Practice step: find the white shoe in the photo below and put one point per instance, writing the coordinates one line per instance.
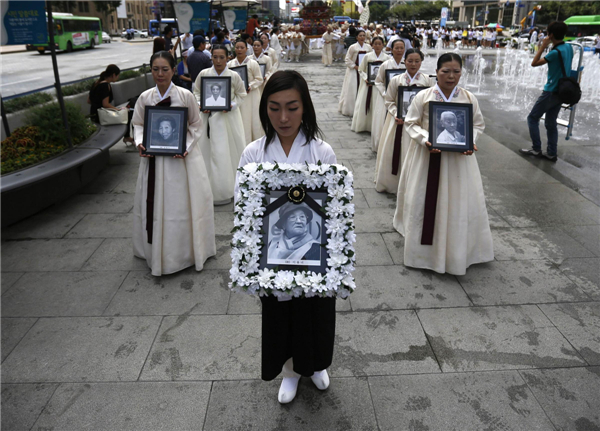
(320, 379)
(288, 388)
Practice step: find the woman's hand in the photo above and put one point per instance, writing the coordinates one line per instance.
(179, 156)
(142, 148)
(355, 67)
(469, 153)
(431, 150)
(206, 111)
(399, 121)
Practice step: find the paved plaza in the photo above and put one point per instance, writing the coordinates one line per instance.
(92, 341)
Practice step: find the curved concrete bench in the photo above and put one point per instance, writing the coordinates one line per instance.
(32, 189)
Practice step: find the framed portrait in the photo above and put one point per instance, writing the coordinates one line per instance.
(361, 57)
(243, 72)
(451, 126)
(390, 73)
(263, 69)
(293, 231)
(405, 98)
(372, 71)
(165, 130)
(216, 93)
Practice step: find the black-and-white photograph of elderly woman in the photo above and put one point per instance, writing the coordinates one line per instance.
(451, 133)
(294, 236)
(165, 135)
(216, 93)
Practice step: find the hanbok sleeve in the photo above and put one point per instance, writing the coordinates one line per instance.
(197, 87)
(194, 122)
(270, 69)
(414, 118)
(380, 81)
(351, 57)
(390, 96)
(258, 79)
(326, 154)
(137, 121)
(239, 90)
(478, 121)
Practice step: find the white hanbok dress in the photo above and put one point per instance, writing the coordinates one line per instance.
(385, 180)
(222, 140)
(461, 230)
(350, 85)
(327, 54)
(379, 110)
(183, 229)
(272, 54)
(263, 59)
(361, 120)
(274, 43)
(249, 107)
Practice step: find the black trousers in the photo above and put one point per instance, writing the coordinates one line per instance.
(303, 329)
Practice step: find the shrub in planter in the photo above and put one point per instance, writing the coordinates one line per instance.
(80, 87)
(44, 137)
(24, 102)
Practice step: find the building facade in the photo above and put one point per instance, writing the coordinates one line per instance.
(478, 13)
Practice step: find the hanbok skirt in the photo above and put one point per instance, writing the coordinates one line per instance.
(249, 110)
(361, 121)
(302, 329)
(385, 180)
(378, 119)
(349, 93)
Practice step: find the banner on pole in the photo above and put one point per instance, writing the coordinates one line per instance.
(444, 17)
(24, 22)
(192, 16)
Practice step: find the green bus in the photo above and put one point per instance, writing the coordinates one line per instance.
(583, 25)
(72, 32)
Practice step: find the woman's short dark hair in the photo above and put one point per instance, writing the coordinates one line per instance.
(166, 55)
(447, 58)
(217, 46)
(359, 32)
(286, 80)
(558, 29)
(352, 31)
(168, 119)
(241, 40)
(396, 41)
(158, 45)
(111, 69)
(377, 38)
(414, 51)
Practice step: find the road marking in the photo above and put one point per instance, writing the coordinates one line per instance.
(18, 82)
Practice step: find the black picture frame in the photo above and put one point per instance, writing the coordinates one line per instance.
(158, 119)
(206, 82)
(403, 103)
(315, 259)
(243, 72)
(263, 69)
(373, 70)
(360, 57)
(390, 73)
(463, 115)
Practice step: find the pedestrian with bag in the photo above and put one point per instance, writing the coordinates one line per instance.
(559, 61)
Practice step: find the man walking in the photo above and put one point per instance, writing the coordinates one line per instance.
(198, 61)
(549, 103)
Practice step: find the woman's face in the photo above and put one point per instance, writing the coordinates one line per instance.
(377, 46)
(413, 63)
(285, 110)
(448, 75)
(257, 47)
(361, 37)
(216, 91)
(165, 130)
(241, 49)
(219, 58)
(162, 71)
(265, 40)
(398, 51)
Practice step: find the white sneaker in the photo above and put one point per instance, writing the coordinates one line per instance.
(287, 390)
(320, 379)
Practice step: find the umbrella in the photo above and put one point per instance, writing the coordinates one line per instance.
(494, 25)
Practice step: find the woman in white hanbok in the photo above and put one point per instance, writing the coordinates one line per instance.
(362, 118)
(260, 57)
(269, 51)
(297, 333)
(445, 222)
(352, 77)
(222, 140)
(327, 54)
(173, 216)
(249, 106)
(379, 110)
(389, 159)
(274, 43)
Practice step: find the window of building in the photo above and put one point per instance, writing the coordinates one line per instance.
(87, 6)
(128, 8)
(138, 9)
(508, 15)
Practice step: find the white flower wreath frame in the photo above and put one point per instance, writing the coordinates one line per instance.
(255, 181)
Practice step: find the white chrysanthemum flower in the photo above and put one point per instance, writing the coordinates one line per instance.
(250, 168)
(351, 237)
(337, 259)
(348, 280)
(284, 280)
(335, 226)
(267, 166)
(265, 276)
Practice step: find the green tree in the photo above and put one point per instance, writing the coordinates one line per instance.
(561, 10)
(107, 6)
(69, 6)
(378, 12)
(424, 10)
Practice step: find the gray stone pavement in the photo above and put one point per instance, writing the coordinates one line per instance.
(91, 341)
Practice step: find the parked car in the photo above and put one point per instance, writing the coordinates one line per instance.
(105, 37)
(136, 33)
(588, 42)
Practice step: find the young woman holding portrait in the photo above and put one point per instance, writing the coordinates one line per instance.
(352, 77)
(297, 333)
(173, 218)
(441, 209)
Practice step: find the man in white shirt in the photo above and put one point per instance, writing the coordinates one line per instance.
(533, 40)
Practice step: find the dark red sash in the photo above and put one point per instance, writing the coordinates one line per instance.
(431, 195)
(369, 92)
(151, 185)
(358, 74)
(397, 149)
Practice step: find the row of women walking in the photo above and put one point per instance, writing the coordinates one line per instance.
(441, 210)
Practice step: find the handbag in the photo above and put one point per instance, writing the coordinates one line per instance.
(569, 91)
(108, 117)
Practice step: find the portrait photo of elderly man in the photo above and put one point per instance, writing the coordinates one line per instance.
(291, 239)
(450, 134)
